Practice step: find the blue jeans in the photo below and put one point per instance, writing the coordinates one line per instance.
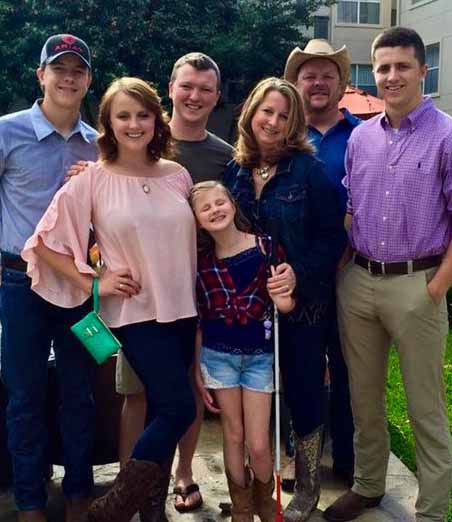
(303, 363)
(29, 326)
(161, 355)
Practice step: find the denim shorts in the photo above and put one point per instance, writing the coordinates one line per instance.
(222, 370)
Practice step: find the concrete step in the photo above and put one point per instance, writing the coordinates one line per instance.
(397, 505)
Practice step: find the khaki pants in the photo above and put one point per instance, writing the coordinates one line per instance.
(373, 312)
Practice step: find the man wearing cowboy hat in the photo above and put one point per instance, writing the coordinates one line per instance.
(320, 75)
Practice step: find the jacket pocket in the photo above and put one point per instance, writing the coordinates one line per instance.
(291, 202)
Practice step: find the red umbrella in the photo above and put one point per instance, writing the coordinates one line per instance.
(360, 103)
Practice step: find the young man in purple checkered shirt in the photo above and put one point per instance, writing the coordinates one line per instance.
(399, 181)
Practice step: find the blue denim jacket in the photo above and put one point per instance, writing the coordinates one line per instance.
(305, 203)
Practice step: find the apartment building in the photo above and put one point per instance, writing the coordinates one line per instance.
(356, 23)
(432, 19)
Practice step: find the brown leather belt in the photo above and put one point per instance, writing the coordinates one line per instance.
(400, 268)
(14, 264)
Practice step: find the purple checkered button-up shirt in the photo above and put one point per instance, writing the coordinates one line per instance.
(399, 184)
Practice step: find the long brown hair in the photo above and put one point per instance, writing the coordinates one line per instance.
(246, 150)
(206, 242)
(161, 144)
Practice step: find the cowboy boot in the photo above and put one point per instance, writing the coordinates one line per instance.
(153, 509)
(34, 515)
(307, 485)
(77, 508)
(242, 498)
(264, 503)
(137, 480)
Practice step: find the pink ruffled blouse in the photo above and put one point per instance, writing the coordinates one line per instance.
(141, 223)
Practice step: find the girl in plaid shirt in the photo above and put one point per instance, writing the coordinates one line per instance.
(235, 349)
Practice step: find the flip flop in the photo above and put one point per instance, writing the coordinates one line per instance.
(288, 477)
(185, 492)
(226, 508)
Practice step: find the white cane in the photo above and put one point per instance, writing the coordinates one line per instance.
(273, 227)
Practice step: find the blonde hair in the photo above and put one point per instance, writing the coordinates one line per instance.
(161, 144)
(200, 62)
(247, 152)
(205, 240)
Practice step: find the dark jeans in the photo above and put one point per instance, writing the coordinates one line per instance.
(6, 469)
(341, 418)
(161, 355)
(29, 327)
(302, 349)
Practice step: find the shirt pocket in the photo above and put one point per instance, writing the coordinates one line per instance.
(291, 202)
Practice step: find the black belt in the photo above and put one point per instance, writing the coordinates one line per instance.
(399, 268)
(14, 263)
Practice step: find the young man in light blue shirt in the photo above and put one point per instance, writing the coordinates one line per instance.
(37, 146)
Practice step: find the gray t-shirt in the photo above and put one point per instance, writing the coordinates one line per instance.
(204, 159)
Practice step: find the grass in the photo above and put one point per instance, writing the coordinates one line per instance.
(402, 440)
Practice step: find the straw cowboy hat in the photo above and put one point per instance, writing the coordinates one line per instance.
(318, 48)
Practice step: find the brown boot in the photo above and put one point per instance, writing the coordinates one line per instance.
(242, 499)
(307, 486)
(77, 508)
(33, 515)
(264, 503)
(349, 506)
(136, 481)
(153, 509)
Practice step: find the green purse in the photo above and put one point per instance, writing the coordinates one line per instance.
(94, 334)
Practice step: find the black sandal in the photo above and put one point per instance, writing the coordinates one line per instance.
(185, 493)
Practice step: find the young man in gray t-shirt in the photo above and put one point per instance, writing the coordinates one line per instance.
(204, 159)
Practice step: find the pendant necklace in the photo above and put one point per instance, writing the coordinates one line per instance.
(263, 172)
(146, 188)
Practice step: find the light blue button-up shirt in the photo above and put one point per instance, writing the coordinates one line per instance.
(34, 158)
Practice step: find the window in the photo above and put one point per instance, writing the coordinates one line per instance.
(321, 25)
(358, 12)
(393, 17)
(431, 82)
(363, 78)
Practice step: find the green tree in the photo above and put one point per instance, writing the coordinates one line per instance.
(249, 38)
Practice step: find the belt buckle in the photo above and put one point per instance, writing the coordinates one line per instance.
(381, 264)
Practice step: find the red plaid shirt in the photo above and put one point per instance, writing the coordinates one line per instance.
(216, 293)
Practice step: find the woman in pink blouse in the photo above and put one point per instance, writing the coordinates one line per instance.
(137, 203)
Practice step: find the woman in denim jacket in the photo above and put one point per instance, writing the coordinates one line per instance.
(275, 175)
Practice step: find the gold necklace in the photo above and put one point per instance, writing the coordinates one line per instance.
(263, 172)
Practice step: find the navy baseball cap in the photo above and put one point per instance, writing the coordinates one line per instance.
(60, 44)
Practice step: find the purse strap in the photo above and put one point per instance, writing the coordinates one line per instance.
(95, 290)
